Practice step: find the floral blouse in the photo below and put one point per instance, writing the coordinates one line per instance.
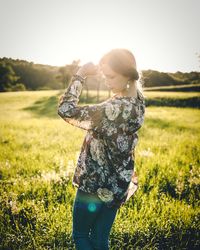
(106, 162)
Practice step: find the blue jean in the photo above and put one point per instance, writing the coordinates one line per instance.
(92, 222)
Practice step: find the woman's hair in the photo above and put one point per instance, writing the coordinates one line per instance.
(122, 61)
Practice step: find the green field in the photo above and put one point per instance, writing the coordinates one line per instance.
(158, 98)
(38, 152)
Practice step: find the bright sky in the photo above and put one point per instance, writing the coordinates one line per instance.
(164, 35)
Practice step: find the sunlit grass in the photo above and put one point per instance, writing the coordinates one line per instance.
(38, 151)
(166, 94)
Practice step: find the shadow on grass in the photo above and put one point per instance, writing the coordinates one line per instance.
(192, 102)
(45, 106)
(176, 239)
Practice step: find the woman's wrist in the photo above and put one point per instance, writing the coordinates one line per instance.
(79, 78)
(81, 73)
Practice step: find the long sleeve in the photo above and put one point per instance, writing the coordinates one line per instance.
(85, 117)
(108, 118)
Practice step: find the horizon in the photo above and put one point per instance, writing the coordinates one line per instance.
(163, 36)
(38, 63)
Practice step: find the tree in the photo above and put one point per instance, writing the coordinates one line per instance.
(33, 76)
(66, 72)
(19, 87)
(155, 78)
(8, 77)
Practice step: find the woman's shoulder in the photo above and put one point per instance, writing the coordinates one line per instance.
(121, 100)
(125, 105)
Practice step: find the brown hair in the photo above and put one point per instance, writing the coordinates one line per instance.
(121, 61)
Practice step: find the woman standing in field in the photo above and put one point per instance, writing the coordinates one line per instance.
(105, 168)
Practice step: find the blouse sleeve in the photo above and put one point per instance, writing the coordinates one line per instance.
(85, 117)
(107, 118)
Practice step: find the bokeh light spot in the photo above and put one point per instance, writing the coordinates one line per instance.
(92, 207)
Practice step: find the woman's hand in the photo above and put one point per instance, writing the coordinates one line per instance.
(87, 69)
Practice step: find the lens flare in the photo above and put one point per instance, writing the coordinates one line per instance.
(92, 207)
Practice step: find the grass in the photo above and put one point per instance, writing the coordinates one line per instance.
(155, 97)
(38, 152)
(176, 88)
(173, 99)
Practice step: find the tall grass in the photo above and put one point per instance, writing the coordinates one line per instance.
(38, 152)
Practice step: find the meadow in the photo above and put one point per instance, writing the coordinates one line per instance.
(38, 153)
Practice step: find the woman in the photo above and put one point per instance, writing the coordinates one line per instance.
(105, 166)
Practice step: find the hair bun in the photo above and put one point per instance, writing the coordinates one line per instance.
(134, 75)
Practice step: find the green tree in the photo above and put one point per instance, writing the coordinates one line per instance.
(33, 76)
(8, 77)
(65, 73)
(19, 87)
(156, 78)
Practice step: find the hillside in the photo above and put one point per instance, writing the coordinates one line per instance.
(19, 75)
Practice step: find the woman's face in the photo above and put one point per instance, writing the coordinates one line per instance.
(115, 81)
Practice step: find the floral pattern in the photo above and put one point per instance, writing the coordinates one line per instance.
(112, 111)
(105, 194)
(106, 162)
(122, 143)
(97, 151)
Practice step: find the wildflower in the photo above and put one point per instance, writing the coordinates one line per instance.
(13, 205)
(70, 167)
(146, 153)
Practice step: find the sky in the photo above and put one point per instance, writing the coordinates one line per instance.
(163, 35)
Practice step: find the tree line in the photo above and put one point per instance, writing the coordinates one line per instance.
(18, 75)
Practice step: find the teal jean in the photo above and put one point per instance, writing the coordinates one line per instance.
(92, 222)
